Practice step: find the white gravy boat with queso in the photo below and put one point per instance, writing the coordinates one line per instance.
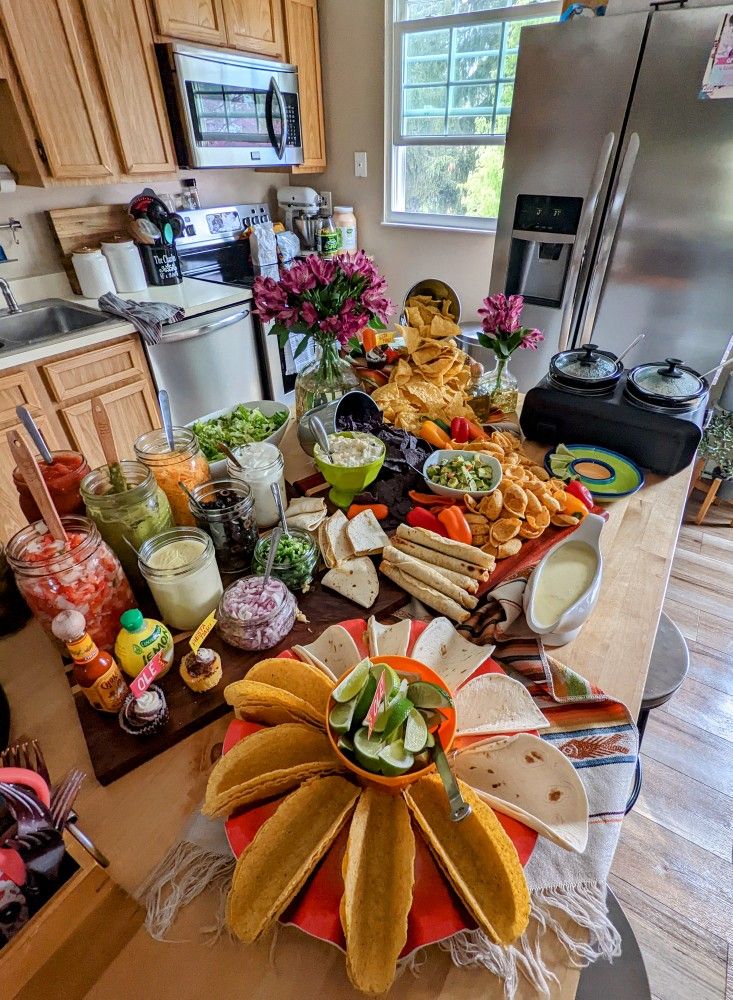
(563, 588)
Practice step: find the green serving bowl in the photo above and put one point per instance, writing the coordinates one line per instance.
(348, 480)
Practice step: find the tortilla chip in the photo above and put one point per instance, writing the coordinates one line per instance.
(423, 592)
(334, 651)
(495, 703)
(365, 534)
(446, 652)
(388, 640)
(356, 580)
(504, 529)
(378, 865)
(510, 548)
(269, 762)
(477, 856)
(270, 705)
(301, 679)
(530, 779)
(273, 868)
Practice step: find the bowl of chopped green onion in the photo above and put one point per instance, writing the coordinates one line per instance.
(295, 560)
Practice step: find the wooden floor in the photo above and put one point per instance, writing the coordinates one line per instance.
(673, 872)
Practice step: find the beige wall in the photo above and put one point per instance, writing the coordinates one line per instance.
(352, 46)
(37, 252)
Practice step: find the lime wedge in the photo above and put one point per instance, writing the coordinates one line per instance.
(381, 721)
(562, 450)
(430, 742)
(391, 679)
(366, 749)
(416, 732)
(398, 713)
(346, 743)
(364, 700)
(341, 716)
(354, 681)
(395, 760)
(424, 694)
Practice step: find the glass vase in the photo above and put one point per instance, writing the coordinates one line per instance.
(493, 391)
(326, 378)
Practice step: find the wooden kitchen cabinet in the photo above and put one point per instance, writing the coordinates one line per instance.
(255, 26)
(191, 20)
(304, 49)
(11, 516)
(132, 411)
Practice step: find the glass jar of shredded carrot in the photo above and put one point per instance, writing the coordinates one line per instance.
(185, 464)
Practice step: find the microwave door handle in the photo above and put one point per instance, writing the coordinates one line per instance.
(277, 144)
(581, 240)
(608, 236)
(197, 330)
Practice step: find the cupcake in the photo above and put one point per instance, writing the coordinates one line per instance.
(145, 715)
(202, 670)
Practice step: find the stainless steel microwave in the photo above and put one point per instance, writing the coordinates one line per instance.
(228, 110)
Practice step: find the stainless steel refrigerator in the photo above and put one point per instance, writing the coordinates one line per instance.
(616, 213)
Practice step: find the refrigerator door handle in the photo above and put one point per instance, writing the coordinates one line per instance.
(583, 235)
(608, 236)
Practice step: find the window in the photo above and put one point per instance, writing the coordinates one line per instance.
(450, 67)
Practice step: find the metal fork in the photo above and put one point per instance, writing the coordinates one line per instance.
(36, 839)
(29, 755)
(63, 797)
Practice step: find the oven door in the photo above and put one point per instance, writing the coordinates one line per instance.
(236, 111)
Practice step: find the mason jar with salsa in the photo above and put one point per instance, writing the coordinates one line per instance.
(62, 478)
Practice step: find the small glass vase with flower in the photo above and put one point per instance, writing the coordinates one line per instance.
(329, 302)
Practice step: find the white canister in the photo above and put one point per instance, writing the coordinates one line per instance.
(263, 465)
(92, 270)
(345, 220)
(125, 264)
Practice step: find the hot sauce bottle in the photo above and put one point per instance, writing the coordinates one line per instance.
(95, 671)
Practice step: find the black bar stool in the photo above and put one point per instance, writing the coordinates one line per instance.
(623, 979)
(668, 668)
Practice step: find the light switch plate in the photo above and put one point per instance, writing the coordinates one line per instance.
(326, 201)
(360, 164)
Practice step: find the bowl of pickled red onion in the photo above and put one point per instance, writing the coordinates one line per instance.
(256, 615)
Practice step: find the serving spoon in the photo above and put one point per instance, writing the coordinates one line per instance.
(165, 412)
(319, 433)
(275, 489)
(34, 430)
(226, 450)
(271, 553)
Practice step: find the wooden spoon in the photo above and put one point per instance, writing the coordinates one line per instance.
(109, 448)
(36, 485)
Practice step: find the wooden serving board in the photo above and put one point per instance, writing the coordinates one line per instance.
(73, 228)
(113, 752)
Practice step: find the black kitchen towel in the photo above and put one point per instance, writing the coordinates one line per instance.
(147, 317)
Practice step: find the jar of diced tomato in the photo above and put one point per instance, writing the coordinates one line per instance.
(82, 574)
(62, 477)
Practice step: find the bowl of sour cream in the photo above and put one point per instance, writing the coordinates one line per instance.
(564, 586)
(355, 461)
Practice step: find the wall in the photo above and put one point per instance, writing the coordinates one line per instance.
(37, 253)
(352, 46)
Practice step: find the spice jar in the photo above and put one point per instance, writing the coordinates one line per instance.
(129, 515)
(186, 463)
(62, 477)
(263, 465)
(256, 615)
(182, 574)
(83, 575)
(225, 510)
(296, 558)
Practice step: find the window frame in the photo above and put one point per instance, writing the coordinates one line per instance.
(395, 143)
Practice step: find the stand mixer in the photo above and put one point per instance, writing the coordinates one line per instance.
(301, 213)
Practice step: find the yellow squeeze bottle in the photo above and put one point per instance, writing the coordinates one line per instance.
(139, 640)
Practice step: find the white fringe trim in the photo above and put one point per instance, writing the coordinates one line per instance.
(584, 904)
(181, 876)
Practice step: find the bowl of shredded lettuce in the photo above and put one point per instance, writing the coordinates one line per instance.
(259, 420)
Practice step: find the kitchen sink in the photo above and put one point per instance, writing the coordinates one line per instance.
(46, 319)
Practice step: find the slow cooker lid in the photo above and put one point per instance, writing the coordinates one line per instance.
(586, 364)
(667, 381)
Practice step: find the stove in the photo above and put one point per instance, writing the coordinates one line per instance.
(212, 247)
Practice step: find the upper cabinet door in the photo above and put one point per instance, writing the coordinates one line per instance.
(255, 26)
(123, 43)
(48, 47)
(194, 20)
(304, 49)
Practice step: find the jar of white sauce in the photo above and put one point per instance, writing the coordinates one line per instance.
(345, 220)
(180, 568)
(262, 465)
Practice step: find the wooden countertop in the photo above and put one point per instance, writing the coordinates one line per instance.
(138, 818)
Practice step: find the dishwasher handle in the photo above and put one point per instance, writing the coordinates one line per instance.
(172, 335)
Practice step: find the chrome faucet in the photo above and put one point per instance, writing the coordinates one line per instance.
(10, 299)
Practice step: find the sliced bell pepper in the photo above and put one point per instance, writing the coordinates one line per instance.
(575, 488)
(380, 510)
(572, 505)
(476, 432)
(456, 524)
(418, 517)
(434, 435)
(430, 499)
(459, 430)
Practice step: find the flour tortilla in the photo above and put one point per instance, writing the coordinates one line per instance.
(428, 595)
(306, 505)
(446, 652)
(430, 575)
(388, 640)
(356, 580)
(338, 540)
(334, 652)
(365, 534)
(495, 703)
(325, 546)
(306, 522)
(458, 550)
(531, 780)
(439, 559)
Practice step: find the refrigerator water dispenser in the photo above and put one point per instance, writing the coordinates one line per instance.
(545, 227)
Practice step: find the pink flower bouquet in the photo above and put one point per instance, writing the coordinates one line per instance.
(503, 332)
(324, 299)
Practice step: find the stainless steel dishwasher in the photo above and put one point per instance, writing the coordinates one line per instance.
(208, 363)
